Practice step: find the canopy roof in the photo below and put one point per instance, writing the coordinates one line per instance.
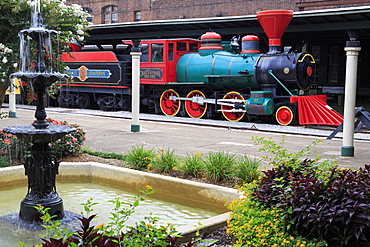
(330, 24)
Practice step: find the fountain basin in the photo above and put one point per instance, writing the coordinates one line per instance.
(29, 133)
(187, 192)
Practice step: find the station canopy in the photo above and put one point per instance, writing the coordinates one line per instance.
(328, 24)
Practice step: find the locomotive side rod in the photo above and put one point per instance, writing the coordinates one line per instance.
(222, 102)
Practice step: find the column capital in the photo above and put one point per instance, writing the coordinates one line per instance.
(356, 49)
(135, 53)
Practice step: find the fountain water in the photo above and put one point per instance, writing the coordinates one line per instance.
(41, 167)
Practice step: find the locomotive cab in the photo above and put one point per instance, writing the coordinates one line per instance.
(159, 58)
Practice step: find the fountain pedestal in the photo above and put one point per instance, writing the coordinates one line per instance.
(41, 166)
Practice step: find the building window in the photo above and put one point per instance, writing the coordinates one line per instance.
(110, 14)
(89, 11)
(137, 15)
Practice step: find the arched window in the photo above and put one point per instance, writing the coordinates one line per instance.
(110, 14)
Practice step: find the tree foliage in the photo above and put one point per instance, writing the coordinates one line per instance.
(15, 15)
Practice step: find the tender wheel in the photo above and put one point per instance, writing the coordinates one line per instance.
(232, 116)
(106, 102)
(83, 101)
(168, 106)
(284, 115)
(194, 109)
(66, 100)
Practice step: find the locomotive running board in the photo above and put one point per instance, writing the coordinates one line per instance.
(313, 110)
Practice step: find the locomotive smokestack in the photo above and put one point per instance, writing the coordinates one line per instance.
(274, 23)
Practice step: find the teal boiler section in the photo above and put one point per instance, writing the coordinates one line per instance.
(220, 70)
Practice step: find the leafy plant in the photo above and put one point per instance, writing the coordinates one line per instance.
(318, 200)
(280, 155)
(337, 211)
(247, 169)
(166, 161)
(219, 165)
(193, 164)
(140, 158)
(104, 155)
(71, 144)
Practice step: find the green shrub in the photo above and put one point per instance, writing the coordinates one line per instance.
(247, 169)
(104, 155)
(140, 158)
(166, 161)
(193, 165)
(219, 166)
(70, 144)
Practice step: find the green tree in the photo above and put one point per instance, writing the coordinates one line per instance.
(69, 20)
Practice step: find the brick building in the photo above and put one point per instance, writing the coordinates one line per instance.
(117, 11)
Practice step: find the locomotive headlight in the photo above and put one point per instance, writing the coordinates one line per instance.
(286, 70)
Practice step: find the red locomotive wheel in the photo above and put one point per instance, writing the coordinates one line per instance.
(194, 109)
(284, 115)
(168, 106)
(232, 116)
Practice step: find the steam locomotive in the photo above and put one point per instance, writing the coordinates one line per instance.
(202, 78)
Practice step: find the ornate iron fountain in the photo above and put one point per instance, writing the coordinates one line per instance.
(41, 167)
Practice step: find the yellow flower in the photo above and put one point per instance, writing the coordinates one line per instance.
(161, 149)
(197, 153)
(149, 225)
(99, 226)
(148, 187)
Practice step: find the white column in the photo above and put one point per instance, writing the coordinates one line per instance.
(135, 105)
(12, 109)
(350, 101)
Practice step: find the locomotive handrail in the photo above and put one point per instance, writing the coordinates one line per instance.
(217, 76)
(305, 55)
(270, 73)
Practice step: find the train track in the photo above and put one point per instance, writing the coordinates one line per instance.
(313, 131)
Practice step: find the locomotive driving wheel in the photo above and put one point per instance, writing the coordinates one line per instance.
(195, 108)
(284, 115)
(227, 110)
(168, 106)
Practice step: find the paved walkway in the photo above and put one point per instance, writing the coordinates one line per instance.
(114, 135)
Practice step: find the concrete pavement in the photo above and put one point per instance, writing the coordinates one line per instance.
(114, 135)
